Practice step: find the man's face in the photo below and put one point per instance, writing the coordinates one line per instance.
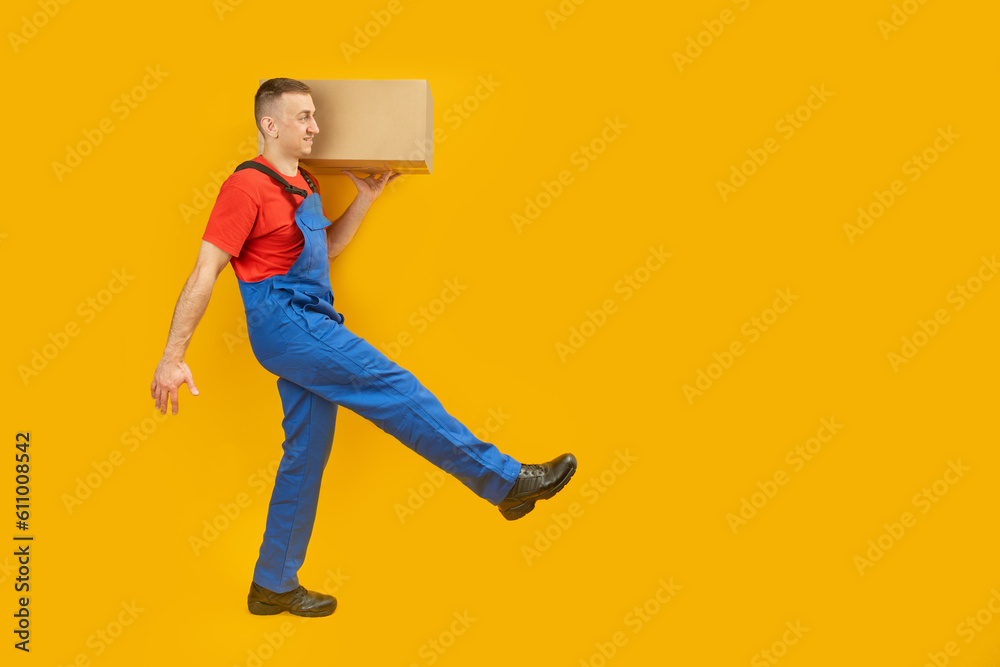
(296, 124)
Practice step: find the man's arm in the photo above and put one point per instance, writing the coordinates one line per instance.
(172, 372)
(342, 230)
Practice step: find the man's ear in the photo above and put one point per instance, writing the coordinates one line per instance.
(269, 127)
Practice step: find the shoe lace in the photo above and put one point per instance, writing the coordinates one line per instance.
(532, 470)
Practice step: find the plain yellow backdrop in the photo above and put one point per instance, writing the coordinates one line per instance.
(785, 418)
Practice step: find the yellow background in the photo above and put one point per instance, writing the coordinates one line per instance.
(401, 582)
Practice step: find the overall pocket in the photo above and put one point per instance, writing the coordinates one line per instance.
(264, 327)
(266, 341)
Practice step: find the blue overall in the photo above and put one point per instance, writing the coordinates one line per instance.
(297, 335)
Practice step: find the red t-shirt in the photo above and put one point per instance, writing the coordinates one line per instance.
(254, 221)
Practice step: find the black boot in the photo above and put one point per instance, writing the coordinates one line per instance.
(299, 601)
(537, 482)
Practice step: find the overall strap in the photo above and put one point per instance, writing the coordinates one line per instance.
(251, 164)
(309, 180)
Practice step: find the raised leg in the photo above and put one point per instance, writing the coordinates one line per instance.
(343, 368)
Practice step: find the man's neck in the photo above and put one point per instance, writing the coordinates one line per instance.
(286, 166)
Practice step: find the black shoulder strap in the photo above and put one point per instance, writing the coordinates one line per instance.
(309, 180)
(252, 164)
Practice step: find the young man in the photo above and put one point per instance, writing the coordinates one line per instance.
(273, 230)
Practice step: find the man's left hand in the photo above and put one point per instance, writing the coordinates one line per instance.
(370, 187)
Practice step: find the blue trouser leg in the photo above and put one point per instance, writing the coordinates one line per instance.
(393, 399)
(345, 369)
(309, 424)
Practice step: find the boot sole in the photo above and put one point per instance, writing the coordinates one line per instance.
(265, 609)
(516, 512)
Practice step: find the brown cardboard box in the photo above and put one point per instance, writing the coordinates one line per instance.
(370, 125)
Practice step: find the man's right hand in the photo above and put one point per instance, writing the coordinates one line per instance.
(167, 380)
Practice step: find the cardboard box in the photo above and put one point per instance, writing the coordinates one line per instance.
(370, 125)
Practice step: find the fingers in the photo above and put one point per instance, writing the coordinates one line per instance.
(354, 179)
(391, 177)
(167, 396)
(190, 384)
(372, 181)
(357, 181)
(372, 177)
(379, 184)
(166, 391)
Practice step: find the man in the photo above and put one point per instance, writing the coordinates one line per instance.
(274, 232)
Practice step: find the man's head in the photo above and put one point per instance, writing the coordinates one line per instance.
(284, 112)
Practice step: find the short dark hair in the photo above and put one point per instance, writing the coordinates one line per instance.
(265, 102)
